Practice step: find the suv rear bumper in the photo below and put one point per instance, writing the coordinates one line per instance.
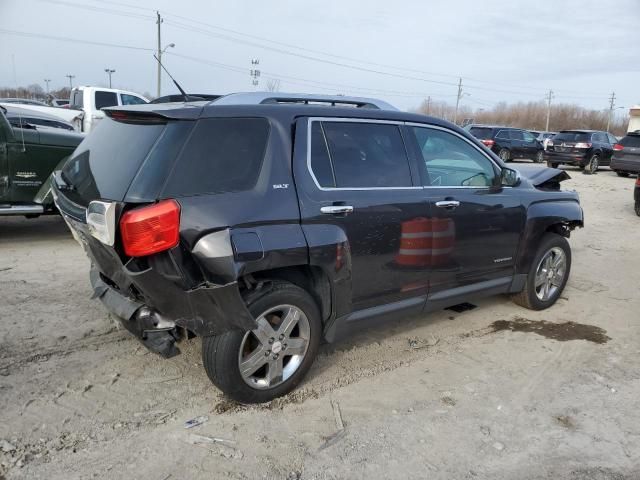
(566, 158)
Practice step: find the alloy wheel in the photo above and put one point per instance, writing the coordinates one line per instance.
(504, 155)
(550, 273)
(540, 157)
(274, 351)
(593, 164)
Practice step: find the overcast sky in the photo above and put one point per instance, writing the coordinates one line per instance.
(503, 50)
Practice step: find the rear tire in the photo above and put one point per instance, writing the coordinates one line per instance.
(222, 355)
(622, 174)
(539, 157)
(548, 275)
(637, 208)
(551, 164)
(504, 154)
(592, 166)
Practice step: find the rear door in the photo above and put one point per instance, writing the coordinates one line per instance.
(605, 145)
(517, 143)
(630, 149)
(360, 194)
(478, 225)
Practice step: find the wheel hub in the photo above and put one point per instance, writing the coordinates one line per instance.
(276, 347)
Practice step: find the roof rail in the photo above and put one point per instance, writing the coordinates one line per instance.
(271, 98)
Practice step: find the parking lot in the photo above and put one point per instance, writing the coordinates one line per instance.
(494, 392)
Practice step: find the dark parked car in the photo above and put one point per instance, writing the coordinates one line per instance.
(509, 143)
(586, 149)
(21, 117)
(626, 155)
(268, 227)
(29, 152)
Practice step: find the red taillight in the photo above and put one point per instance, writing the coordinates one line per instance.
(618, 148)
(488, 143)
(152, 229)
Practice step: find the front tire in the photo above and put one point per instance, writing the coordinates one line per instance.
(548, 275)
(259, 365)
(637, 208)
(551, 164)
(539, 157)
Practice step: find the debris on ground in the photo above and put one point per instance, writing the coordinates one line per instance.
(334, 438)
(418, 343)
(223, 447)
(194, 422)
(6, 447)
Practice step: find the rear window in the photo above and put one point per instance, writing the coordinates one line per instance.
(106, 99)
(573, 137)
(480, 132)
(222, 155)
(631, 141)
(76, 99)
(106, 161)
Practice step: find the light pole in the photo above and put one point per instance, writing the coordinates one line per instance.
(611, 112)
(109, 72)
(47, 80)
(70, 77)
(160, 52)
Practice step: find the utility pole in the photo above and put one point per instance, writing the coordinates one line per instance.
(612, 102)
(47, 80)
(254, 73)
(549, 97)
(455, 116)
(109, 71)
(70, 77)
(159, 22)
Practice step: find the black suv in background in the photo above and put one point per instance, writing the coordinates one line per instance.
(626, 155)
(267, 223)
(586, 149)
(509, 143)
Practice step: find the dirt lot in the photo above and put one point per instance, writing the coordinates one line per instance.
(451, 395)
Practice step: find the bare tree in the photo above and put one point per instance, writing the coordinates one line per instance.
(273, 85)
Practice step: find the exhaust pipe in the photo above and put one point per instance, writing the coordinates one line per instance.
(21, 209)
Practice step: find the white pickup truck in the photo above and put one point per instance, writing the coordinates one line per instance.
(91, 100)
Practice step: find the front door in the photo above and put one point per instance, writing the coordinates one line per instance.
(477, 225)
(529, 145)
(358, 189)
(517, 143)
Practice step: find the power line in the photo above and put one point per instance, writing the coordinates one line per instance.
(72, 40)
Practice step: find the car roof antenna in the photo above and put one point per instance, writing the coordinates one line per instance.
(184, 94)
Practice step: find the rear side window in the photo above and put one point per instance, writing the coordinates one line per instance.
(320, 160)
(504, 134)
(516, 135)
(631, 141)
(481, 133)
(367, 155)
(106, 99)
(222, 155)
(131, 99)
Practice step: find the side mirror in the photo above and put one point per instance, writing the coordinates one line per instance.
(509, 178)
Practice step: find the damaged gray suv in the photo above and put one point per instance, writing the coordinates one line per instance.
(268, 223)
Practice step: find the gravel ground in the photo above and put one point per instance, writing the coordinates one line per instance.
(495, 392)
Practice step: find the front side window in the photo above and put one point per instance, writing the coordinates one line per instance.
(363, 155)
(106, 99)
(450, 161)
(131, 99)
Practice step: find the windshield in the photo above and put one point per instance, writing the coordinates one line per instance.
(481, 132)
(572, 137)
(105, 163)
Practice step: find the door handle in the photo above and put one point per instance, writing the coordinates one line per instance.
(448, 204)
(336, 209)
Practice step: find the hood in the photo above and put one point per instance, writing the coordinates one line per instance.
(543, 177)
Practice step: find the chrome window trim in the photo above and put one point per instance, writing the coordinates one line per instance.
(399, 123)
